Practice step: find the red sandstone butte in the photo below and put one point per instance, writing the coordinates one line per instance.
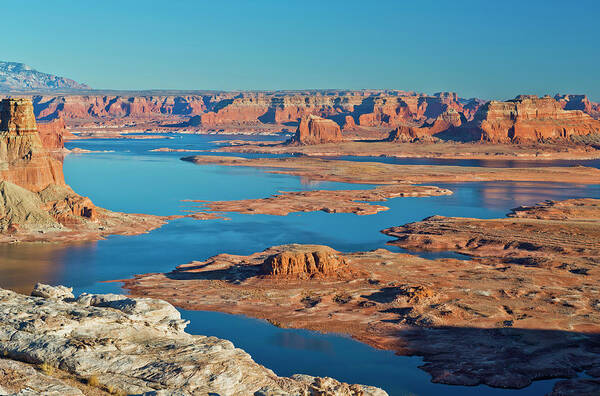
(316, 130)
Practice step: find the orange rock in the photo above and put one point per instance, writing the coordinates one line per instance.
(54, 133)
(304, 261)
(445, 122)
(28, 164)
(527, 118)
(315, 130)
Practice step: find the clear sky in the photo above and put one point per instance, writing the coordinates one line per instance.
(490, 49)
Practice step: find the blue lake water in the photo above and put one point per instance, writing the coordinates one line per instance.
(132, 179)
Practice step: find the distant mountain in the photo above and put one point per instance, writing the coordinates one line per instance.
(20, 77)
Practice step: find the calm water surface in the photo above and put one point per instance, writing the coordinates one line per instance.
(132, 179)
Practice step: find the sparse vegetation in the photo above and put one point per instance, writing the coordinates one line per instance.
(46, 368)
(93, 381)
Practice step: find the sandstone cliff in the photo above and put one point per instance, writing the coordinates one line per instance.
(316, 130)
(579, 102)
(525, 119)
(23, 159)
(528, 118)
(446, 122)
(53, 133)
(133, 346)
(35, 202)
(238, 111)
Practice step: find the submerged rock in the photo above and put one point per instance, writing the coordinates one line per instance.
(138, 345)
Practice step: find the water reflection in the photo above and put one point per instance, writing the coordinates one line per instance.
(299, 341)
(23, 265)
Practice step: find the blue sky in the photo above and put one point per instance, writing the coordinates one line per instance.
(489, 49)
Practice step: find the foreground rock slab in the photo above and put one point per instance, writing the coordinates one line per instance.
(138, 346)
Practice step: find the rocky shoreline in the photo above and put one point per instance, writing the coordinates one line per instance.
(132, 346)
(495, 319)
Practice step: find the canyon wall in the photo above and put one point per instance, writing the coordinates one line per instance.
(237, 110)
(527, 118)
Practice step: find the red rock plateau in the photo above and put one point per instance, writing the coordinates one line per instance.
(35, 202)
(316, 130)
(524, 308)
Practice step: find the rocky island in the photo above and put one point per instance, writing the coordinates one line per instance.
(493, 319)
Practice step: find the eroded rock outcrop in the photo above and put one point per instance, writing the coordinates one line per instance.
(304, 261)
(579, 102)
(368, 111)
(317, 130)
(445, 122)
(23, 159)
(527, 118)
(54, 133)
(138, 346)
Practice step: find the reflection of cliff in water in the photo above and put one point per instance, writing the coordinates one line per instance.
(308, 182)
(24, 264)
(503, 195)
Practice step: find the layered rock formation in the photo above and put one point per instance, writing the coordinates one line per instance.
(579, 102)
(54, 133)
(23, 159)
(305, 261)
(242, 111)
(317, 130)
(136, 346)
(445, 122)
(35, 202)
(527, 118)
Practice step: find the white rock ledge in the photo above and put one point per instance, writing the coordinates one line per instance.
(137, 346)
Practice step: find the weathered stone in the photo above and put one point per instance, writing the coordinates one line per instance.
(47, 291)
(137, 346)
